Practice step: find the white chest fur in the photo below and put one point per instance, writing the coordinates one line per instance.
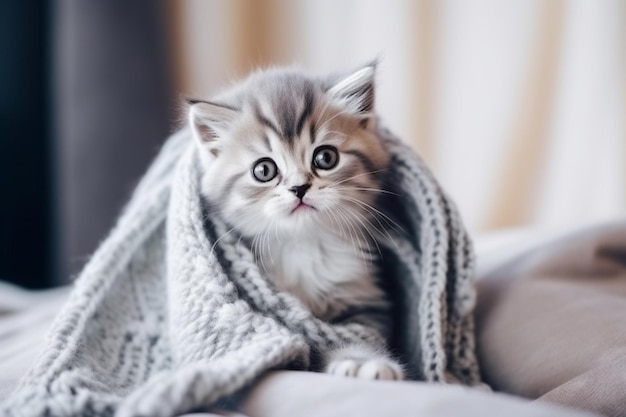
(324, 271)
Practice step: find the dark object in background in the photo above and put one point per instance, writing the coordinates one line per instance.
(25, 162)
(112, 101)
(85, 105)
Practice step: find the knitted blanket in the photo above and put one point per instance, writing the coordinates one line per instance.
(167, 318)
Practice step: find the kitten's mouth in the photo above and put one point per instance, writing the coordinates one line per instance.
(302, 206)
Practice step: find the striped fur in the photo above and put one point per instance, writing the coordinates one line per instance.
(321, 246)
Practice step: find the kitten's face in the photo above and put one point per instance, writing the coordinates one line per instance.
(288, 154)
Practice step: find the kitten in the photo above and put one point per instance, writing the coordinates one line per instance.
(294, 164)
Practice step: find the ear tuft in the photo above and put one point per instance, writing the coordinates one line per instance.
(209, 121)
(356, 90)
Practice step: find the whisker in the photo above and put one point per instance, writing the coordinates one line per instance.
(332, 184)
(374, 211)
(221, 237)
(332, 118)
(258, 250)
(356, 212)
(337, 133)
(326, 106)
(268, 242)
(383, 230)
(334, 218)
(374, 214)
(375, 190)
(352, 226)
(375, 241)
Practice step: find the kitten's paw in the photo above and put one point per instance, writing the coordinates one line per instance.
(344, 367)
(380, 368)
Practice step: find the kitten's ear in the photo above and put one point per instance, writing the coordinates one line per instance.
(209, 121)
(356, 91)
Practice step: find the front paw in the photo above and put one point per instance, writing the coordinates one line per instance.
(380, 368)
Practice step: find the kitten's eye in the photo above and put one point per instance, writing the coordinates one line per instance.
(264, 170)
(326, 157)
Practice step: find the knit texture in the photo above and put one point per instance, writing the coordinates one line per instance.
(166, 317)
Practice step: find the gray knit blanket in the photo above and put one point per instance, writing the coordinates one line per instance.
(165, 318)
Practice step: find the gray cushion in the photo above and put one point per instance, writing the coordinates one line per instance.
(550, 321)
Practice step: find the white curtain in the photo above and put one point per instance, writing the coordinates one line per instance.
(518, 106)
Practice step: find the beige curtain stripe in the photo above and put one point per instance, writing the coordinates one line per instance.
(518, 186)
(249, 34)
(424, 66)
(176, 44)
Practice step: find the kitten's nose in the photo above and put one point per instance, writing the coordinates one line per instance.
(300, 190)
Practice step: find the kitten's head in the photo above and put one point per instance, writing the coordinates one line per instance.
(284, 152)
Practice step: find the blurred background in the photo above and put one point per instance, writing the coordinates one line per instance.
(518, 106)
